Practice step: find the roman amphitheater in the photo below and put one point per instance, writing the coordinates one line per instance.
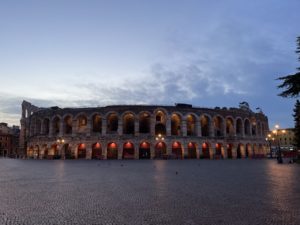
(143, 132)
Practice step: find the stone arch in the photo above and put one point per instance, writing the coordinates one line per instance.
(112, 122)
(112, 150)
(160, 122)
(81, 122)
(128, 150)
(176, 120)
(239, 151)
(46, 126)
(177, 150)
(81, 151)
(247, 127)
(239, 127)
(218, 125)
(128, 123)
(144, 150)
(68, 124)
(253, 126)
(248, 150)
(96, 123)
(144, 122)
(192, 150)
(191, 124)
(205, 123)
(229, 151)
(96, 151)
(160, 150)
(38, 128)
(56, 125)
(230, 131)
(205, 150)
(44, 151)
(68, 151)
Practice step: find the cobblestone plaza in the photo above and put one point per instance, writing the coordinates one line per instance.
(149, 192)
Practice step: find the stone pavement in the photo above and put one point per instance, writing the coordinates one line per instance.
(149, 192)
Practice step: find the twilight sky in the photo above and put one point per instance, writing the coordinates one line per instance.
(95, 53)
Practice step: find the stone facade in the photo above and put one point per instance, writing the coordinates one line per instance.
(142, 132)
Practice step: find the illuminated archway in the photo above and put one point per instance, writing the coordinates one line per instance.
(160, 150)
(144, 150)
(128, 151)
(205, 124)
(229, 151)
(218, 154)
(96, 151)
(177, 150)
(112, 151)
(175, 124)
(128, 123)
(81, 151)
(192, 151)
(239, 151)
(160, 123)
(205, 151)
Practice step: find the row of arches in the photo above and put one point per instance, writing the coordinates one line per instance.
(146, 123)
(146, 150)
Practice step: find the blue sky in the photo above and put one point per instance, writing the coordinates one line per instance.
(90, 53)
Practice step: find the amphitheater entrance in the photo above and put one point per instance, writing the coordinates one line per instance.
(96, 151)
(192, 152)
(160, 150)
(144, 150)
(218, 154)
(229, 151)
(176, 150)
(205, 151)
(81, 151)
(128, 151)
(112, 151)
(248, 150)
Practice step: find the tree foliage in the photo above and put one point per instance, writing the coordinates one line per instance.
(297, 124)
(291, 82)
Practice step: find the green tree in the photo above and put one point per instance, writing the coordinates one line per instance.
(297, 124)
(291, 82)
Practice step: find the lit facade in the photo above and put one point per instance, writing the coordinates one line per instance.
(142, 132)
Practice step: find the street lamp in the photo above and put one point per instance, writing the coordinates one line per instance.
(275, 132)
(159, 137)
(269, 139)
(60, 141)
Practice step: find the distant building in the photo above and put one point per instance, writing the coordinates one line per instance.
(286, 139)
(9, 140)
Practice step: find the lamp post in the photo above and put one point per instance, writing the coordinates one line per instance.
(275, 132)
(61, 141)
(268, 139)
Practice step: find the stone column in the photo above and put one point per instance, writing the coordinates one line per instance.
(74, 127)
(211, 129)
(104, 125)
(104, 149)
(136, 151)
(234, 151)
(198, 150)
(61, 128)
(50, 129)
(136, 127)
(223, 152)
(198, 128)
(168, 126)
(212, 150)
(152, 126)
(89, 127)
(120, 127)
(88, 151)
(184, 128)
(120, 150)
(152, 151)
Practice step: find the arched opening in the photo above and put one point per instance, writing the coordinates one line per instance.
(112, 151)
(46, 126)
(248, 150)
(96, 151)
(239, 151)
(239, 127)
(229, 127)
(97, 123)
(192, 152)
(247, 127)
(44, 152)
(218, 154)
(191, 125)
(36, 152)
(82, 123)
(175, 124)
(160, 123)
(229, 151)
(144, 150)
(112, 123)
(176, 150)
(144, 123)
(68, 151)
(253, 127)
(128, 123)
(38, 127)
(160, 150)
(205, 123)
(128, 150)
(68, 125)
(54, 152)
(205, 151)
(30, 152)
(81, 151)
(218, 126)
(55, 125)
